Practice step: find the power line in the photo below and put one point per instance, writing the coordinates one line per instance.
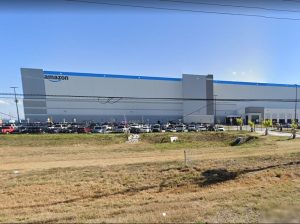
(291, 1)
(185, 10)
(7, 115)
(109, 98)
(233, 6)
(198, 109)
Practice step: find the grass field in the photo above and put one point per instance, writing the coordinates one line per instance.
(100, 178)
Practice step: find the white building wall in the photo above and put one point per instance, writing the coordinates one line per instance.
(110, 108)
(277, 110)
(114, 87)
(286, 114)
(98, 102)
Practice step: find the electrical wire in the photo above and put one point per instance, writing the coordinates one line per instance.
(11, 116)
(200, 108)
(109, 98)
(297, 1)
(233, 6)
(115, 101)
(185, 10)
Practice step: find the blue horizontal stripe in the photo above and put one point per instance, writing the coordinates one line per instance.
(254, 83)
(163, 79)
(111, 76)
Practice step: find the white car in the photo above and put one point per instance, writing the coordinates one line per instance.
(146, 129)
(192, 127)
(135, 126)
(121, 129)
(220, 128)
(180, 128)
(107, 129)
(202, 128)
(171, 129)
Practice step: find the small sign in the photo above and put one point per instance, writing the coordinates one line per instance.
(133, 138)
(174, 139)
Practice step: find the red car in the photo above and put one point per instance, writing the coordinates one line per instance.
(84, 130)
(7, 129)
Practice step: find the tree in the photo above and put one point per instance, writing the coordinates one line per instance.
(294, 128)
(267, 123)
(251, 124)
(239, 122)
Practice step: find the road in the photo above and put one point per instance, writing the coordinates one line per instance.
(280, 134)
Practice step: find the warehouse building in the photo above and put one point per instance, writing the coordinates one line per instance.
(70, 96)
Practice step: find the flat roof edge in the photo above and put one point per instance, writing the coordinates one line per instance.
(111, 76)
(164, 79)
(254, 83)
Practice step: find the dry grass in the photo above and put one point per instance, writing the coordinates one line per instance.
(96, 181)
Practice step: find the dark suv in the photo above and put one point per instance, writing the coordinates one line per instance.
(35, 130)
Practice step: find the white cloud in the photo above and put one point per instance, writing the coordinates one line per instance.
(244, 76)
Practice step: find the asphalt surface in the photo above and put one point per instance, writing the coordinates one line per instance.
(281, 134)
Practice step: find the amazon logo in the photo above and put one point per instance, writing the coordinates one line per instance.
(56, 78)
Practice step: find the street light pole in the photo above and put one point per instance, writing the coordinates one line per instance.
(16, 101)
(295, 117)
(215, 99)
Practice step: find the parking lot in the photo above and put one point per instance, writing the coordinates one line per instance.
(135, 128)
(89, 127)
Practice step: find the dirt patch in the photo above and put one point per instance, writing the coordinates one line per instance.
(189, 137)
(243, 140)
(97, 184)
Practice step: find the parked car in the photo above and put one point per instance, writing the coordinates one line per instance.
(57, 128)
(202, 128)
(20, 130)
(135, 126)
(170, 128)
(36, 130)
(102, 129)
(54, 129)
(69, 130)
(84, 130)
(121, 129)
(210, 128)
(156, 128)
(135, 130)
(98, 129)
(107, 128)
(192, 127)
(146, 129)
(220, 128)
(7, 129)
(180, 128)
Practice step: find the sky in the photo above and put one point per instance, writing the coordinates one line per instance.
(75, 36)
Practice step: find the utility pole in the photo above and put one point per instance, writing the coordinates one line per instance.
(16, 101)
(295, 117)
(215, 99)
